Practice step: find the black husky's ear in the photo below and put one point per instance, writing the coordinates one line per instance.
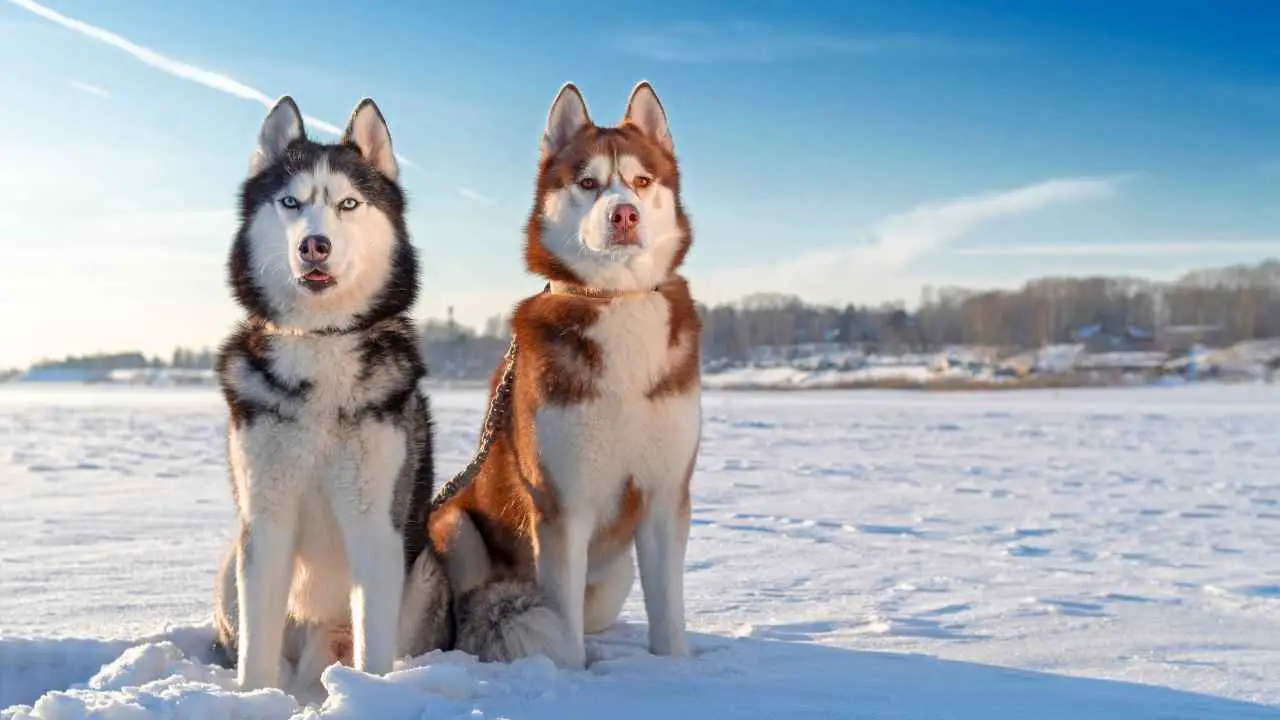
(282, 126)
(568, 115)
(368, 131)
(644, 110)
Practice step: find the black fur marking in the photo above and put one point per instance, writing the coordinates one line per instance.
(416, 527)
(391, 347)
(251, 345)
(254, 348)
(222, 655)
(390, 409)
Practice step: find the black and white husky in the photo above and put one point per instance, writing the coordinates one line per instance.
(329, 439)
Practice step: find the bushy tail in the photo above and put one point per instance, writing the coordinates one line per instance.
(504, 620)
(499, 618)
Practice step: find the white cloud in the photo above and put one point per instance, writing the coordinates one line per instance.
(877, 269)
(176, 68)
(208, 78)
(1192, 247)
(91, 89)
(476, 196)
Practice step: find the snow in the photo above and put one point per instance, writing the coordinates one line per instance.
(797, 376)
(1051, 554)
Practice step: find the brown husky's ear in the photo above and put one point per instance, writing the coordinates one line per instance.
(568, 115)
(282, 126)
(644, 110)
(368, 131)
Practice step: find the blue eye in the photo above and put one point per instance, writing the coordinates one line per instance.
(349, 204)
(290, 202)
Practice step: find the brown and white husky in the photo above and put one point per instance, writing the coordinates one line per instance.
(602, 422)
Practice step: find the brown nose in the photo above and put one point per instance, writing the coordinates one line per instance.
(624, 217)
(314, 248)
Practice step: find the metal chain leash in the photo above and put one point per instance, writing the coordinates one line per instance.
(492, 421)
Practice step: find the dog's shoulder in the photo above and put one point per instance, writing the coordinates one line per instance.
(250, 382)
(557, 358)
(389, 367)
(683, 321)
(391, 346)
(550, 318)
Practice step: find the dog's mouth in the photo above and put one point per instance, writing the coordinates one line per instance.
(609, 245)
(316, 280)
(629, 239)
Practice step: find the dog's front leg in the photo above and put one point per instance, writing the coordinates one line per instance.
(263, 575)
(361, 489)
(562, 572)
(661, 540)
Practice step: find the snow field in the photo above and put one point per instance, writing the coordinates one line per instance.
(854, 554)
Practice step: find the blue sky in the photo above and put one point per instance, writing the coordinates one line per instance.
(841, 152)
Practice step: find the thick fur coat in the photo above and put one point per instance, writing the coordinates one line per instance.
(591, 471)
(329, 436)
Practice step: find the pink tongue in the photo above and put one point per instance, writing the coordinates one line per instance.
(316, 275)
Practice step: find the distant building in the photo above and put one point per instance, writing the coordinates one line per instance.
(1105, 336)
(1181, 339)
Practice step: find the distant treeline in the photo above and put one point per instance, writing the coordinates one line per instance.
(1233, 303)
(108, 361)
(1221, 305)
(1225, 306)
(182, 358)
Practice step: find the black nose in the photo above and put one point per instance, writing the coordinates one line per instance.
(314, 248)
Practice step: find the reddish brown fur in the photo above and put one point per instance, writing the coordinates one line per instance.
(686, 327)
(613, 538)
(558, 364)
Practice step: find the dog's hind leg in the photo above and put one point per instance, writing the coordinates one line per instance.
(226, 611)
(322, 644)
(426, 613)
(607, 590)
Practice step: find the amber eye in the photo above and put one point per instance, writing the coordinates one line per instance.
(642, 182)
(588, 183)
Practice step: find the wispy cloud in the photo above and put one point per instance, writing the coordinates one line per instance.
(177, 68)
(476, 196)
(753, 42)
(91, 89)
(208, 78)
(1193, 247)
(875, 268)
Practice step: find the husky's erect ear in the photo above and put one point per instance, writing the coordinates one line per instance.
(568, 115)
(368, 131)
(644, 110)
(282, 126)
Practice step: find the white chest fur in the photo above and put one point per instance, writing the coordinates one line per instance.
(591, 449)
(329, 365)
(315, 383)
(315, 472)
